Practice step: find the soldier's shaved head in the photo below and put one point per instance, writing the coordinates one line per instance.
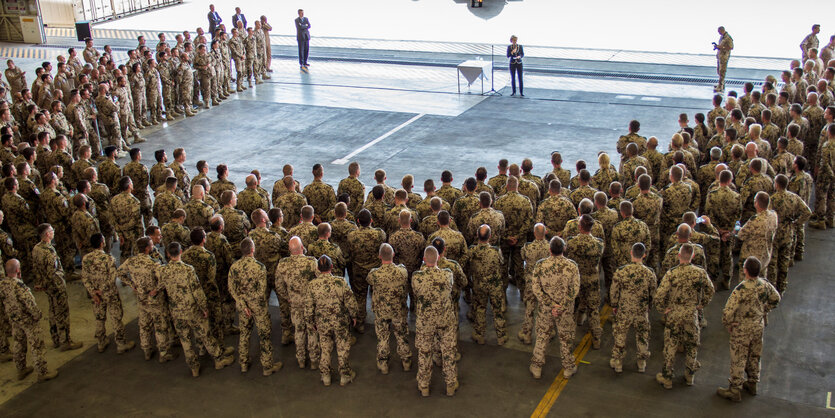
(295, 245)
(512, 184)
(197, 192)
(513, 170)
(585, 207)
(435, 204)
(405, 219)
(386, 252)
(626, 209)
(685, 253)
(762, 200)
(324, 230)
(307, 213)
(247, 247)
(12, 268)
(484, 232)
(430, 256)
(251, 181)
(289, 184)
(539, 230)
(683, 232)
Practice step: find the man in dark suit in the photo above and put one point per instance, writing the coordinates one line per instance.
(238, 17)
(303, 38)
(214, 20)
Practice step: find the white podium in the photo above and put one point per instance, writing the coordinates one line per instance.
(473, 70)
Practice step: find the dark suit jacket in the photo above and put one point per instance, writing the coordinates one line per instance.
(235, 20)
(302, 26)
(516, 59)
(214, 20)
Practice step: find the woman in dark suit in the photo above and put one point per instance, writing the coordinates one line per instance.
(515, 53)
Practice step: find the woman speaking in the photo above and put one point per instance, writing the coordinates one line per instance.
(516, 53)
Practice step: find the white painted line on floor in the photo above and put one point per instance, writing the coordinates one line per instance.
(651, 99)
(353, 153)
(625, 97)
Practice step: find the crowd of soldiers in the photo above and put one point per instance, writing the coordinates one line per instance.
(661, 230)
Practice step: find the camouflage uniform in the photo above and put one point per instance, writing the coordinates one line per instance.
(175, 232)
(676, 200)
(754, 184)
(128, 210)
(21, 222)
(205, 266)
(490, 217)
(825, 183)
(624, 235)
(684, 290)
(378, 210)
(219, 246)
(435, 320)
(221, 185)
(424, 208)
(249, 200)
(139, 272)
(518, 213)
(791, 210)
(188, 309)
(164, 206)
(98, 273)
(485, 264)
(554, 212)
(84, 226)
(464, 208)
(647, 207)
(356, 190)
(744, 314)
(236, 227)
(670, 259)
(329, 303)
(757, 236)
(801, 185)
(183, 179)
(248, 286)
(607, 218)
(586, 251)
(363, 246)
(57, 213)
(532, 252)
(320, 195)
(555, 282)
(108, 113)
(322, 247)
(293, 275)
(23, 315)
(632, 288)
(456, 245)
(631, 137)
(498, 183)
(388, 301)
(49, 276)
(291, 205)
(198, 213)
(306, 231)
(100, 194)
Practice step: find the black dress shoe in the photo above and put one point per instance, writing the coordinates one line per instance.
(521, 95)
(513, 94)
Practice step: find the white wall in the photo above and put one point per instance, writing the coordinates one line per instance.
(57, 12)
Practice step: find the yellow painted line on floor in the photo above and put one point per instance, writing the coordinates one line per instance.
(560, 382)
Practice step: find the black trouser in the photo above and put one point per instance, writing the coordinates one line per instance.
(304, 48)
(475, 2)
(516, 71)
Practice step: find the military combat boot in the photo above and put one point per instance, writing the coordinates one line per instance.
(49, 375)
(730, 394)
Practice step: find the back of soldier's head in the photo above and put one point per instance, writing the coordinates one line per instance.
(638, 250)
(585, 224)
(557, 245)
(324, 264)
(485, 200)
(386, 252)
(439, 244)
(484, 233)
(752, 266)
(323, 230)
(174, 249)
(197, 236)
(443, 218)
(626, 208)
(430, 256)
(378, 192)
(364, 217)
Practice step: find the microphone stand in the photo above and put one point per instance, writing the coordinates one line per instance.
(492, 91)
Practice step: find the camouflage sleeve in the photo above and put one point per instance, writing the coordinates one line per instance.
(349, 300)
(614, 291)
(197, 291)
(280, 283)
(309, 307)
(661, 293)
(536, 287)
(803, 212)
(123, 274)
(729, 312)
(573, 289)
(460, 278)
(25, 297)
(708, 290)
(261, 281)
(773, 297)
(86, 272)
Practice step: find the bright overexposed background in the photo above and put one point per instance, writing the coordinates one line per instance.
(759, 28)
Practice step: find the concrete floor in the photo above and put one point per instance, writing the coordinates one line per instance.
(304, 124)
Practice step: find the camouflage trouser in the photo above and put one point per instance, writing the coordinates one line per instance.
(5, 331)
(359, 285)
(824, 199)
(129, 239)
(199, 327)
(145, 207)
(227, 304)
(128, 125)
(712, 259)
(799, 243)
(241, 71)
(215, 307)
(810, 151)
(114, 132)
(111, 304)
(306, 338)
(493, 294)
(530, 309)
(153, 322)
(685, 335)
(330, 334)
(722, 67)
(655, 254)
(515, 272)
(284, 310)
(168, 99)
(28, 336)
(745, 357)
(140, 106)
(252, 69)
(588, 302)
(726, 262)
(778, 268)
(383, 328)
(625, 320)
(59, 311)
(425, 334)
(154, 105)
(261, 320)
(206, 87)
(546, 326)
(65, 248)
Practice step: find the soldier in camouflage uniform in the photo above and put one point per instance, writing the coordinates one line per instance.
(755, 183)
(486, 215)
(353, 187)
(84, 225)
(323, 246)
(57, 212)
(388, 301)
(290, 203)
(49, 278)
(293, 275)
(556, 210)
(167, 202)
(268, 250)
(319, 194)
(190, 311)
(305, 229)
(723, 207)
(825, 183)
(139, 272)
(435, 320)
(175, 231)
(683, 235)
(791, 210)
(744, 317)
(219, 246)
(377, 206)
(128, 210)
(236, 222)
(676, 199)
(556, 283)
(330, 305)
(586, 251)
(518, 213)
(485, 264)
(408, 246)
(465, 206)
(248, 286)
(363, 245)
(205, 266)
(185, 78)
(21, 221)
(428, 225)
(801, 185)
(627, 233)
(532, 252)
(757, 235)
(23, 315)
(108, 113)
(684, 290)
(424, 207)
(98, 273)
(632, 288)
(456, 245)
(249, 199)
(198, 212)
(222, 183)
